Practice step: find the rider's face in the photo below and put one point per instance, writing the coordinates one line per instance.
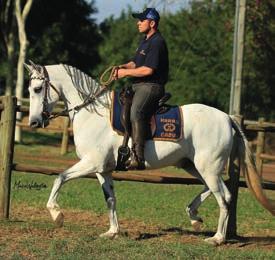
(144, 26)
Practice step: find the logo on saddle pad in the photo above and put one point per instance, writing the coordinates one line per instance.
(167, 126)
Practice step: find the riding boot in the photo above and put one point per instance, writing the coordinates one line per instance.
(138, 137)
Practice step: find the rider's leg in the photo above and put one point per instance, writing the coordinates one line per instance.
(145, 102)
(138, 136)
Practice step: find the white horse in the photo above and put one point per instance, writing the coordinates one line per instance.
(207, 143)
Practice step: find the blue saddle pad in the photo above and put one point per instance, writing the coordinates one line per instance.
(167, 126)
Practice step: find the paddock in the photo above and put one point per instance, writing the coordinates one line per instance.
(159, 225)
(9, 107)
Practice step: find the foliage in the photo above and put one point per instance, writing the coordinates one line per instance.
(259, 77)
(200, 42)
(63, 32)
(200, 53)
(200, 56)
(199, 38)
(60, 32)
(119, 42)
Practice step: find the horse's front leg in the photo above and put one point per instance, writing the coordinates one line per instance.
(106, 182)
(80, 169)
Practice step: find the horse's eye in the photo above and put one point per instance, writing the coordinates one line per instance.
(38, 89)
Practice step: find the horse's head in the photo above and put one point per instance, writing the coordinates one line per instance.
(43, 95)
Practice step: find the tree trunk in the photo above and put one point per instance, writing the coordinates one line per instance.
(10, 66)
(8, 32)
(21, 20)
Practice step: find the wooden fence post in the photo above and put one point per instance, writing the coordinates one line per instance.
(260, 147)
(233, 184)
(65, 136)
(8, 118)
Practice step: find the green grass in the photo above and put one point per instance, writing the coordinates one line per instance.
(153, 221)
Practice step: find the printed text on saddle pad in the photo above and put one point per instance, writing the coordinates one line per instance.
(167, 126)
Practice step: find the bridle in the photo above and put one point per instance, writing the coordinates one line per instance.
(44, 76)
(46, 85)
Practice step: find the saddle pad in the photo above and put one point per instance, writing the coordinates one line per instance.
(167, 126)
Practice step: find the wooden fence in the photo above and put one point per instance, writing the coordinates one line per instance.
(8, 108)
(260, 126)
(65, 129)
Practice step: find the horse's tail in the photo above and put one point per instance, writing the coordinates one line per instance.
(253, 180)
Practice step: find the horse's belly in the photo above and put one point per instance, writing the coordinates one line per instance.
(160, 154)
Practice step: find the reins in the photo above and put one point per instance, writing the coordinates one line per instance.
(104, 83)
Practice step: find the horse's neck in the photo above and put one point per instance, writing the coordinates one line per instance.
(70, 95)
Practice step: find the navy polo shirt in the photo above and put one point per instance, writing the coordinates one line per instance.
(153, 53)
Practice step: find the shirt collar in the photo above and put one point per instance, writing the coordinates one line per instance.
(152, 36)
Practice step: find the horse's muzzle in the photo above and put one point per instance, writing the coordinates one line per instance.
(36, 123)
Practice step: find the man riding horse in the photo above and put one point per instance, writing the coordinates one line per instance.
(149, 71)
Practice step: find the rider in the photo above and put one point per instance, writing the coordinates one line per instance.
(149, 71)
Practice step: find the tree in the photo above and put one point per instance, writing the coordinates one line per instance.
(7, 45)
(120, 39)
(21, 16)
(64, 32)
(259, 77)
(200, 46)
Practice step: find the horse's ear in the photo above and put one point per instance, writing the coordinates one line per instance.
(34, 66)
(37, 67)
(28, 67)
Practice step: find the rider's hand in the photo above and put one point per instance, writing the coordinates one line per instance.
(121, 73)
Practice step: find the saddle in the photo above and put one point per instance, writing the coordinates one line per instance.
(126, 98)
(165, 124)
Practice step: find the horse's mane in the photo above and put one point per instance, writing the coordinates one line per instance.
(86, 86)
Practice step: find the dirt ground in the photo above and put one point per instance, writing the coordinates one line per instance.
(132, 229)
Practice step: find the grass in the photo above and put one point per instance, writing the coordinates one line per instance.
(152, 217)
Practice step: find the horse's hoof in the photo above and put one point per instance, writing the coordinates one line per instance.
(214, 241)
(59, 220)
(196, 225)
(110, 235)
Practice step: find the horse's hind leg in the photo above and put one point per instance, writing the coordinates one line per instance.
(218, 188)
(106, 182)
(192, 208)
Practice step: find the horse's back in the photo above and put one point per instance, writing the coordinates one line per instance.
(199, 115)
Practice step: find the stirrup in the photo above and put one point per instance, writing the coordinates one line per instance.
(135, 164)
(122, 158)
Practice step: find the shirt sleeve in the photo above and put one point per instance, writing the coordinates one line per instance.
(153, 55)
(134, 58)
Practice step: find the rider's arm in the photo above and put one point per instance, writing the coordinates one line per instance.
(129, 65)
(136, 72)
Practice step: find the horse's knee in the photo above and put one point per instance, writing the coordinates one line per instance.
(59, 180)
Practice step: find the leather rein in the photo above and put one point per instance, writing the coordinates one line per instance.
(46, 115)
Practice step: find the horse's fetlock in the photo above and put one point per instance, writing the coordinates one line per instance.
(187, 210)
(228, 198)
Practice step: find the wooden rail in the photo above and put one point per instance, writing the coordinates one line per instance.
(129, 176)
(261, 126)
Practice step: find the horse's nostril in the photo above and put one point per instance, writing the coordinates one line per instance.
(34, 124)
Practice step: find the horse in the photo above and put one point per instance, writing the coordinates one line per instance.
(203, 151)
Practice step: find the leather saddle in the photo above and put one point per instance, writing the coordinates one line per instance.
(126, 97)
